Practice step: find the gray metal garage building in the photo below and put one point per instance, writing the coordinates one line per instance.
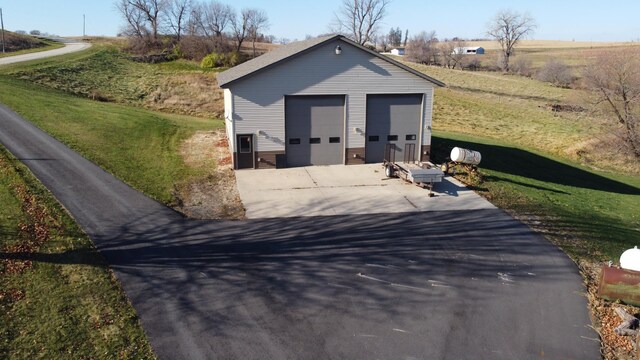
(325, 101)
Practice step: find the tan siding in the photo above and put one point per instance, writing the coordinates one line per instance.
(258, 100)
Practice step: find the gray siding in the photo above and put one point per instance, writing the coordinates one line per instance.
(258, 100)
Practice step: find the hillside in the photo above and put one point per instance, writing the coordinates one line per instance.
(20, 44)
(16, 42)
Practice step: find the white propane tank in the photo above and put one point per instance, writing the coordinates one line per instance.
(630, 259)
(465, 156)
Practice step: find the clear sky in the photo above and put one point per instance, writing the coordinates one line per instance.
(580, 20)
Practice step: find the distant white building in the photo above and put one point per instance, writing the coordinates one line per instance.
(469, 50)
(397, 51)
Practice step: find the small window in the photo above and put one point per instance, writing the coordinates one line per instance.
(314, 141)
(334, 140)
(392, 137)
(294, 141)
(374, 138)
(245, 144)
(410, 137)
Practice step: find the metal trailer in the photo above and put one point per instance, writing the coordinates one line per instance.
(424, 175)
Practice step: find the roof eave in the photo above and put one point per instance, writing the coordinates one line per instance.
(226, 85)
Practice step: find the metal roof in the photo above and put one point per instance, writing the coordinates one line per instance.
(289, 51)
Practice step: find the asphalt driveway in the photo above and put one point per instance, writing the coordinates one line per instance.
(429, 285)
(345, 190)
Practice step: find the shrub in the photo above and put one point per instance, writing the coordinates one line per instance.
(212, 60)
(556, 73)
(231, 59)
(473, 64)
(521, 66)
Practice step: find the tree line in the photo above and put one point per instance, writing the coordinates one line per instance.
(198, 27)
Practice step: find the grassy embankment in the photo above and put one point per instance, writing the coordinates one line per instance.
(16, 44)
(58, 299)
(540, 164)
(137, 145)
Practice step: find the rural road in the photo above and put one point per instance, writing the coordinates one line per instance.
(437, 285)
(69, 47)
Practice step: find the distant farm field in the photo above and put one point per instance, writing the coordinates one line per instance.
(551, 45)
(538, 52)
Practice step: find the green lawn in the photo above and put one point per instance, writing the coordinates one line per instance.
(590, 214)
(139, 146)
(58, 298)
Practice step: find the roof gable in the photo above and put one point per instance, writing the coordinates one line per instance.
(290, 51)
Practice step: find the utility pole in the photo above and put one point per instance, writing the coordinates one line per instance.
(2, 24)
(84, 21)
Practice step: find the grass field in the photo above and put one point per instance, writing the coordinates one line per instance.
(590, 214)
(555, 167)
(58, 298)
(106, 74)
(576, 54)
(520, 110)
(139, 146)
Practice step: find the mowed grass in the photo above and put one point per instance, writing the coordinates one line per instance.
(520, 110)
(58, 298)
(100, 72)
(590, 214)
(539, 164)
(139, 146)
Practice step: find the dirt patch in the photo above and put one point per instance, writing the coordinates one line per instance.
(212, 193)
(193, 94)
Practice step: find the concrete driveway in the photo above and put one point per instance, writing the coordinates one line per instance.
(463, 284)
(345, 190)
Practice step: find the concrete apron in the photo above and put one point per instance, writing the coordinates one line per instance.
(345, 190)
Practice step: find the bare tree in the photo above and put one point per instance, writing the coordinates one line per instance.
(452, 54)
(359, 19)
(143, 16)
(240, 26)
(257, 22)
(422, 48)
(177, 14)
(135, 19)
(614, 78)
(383, 41)
(508, 28)
(213, 18)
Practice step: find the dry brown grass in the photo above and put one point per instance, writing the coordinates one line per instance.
(195, 94)
(213, 194)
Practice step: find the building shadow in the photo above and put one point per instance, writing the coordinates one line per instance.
(514, 161)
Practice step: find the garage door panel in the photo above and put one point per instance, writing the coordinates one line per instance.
(393, 127)
(314, 127)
